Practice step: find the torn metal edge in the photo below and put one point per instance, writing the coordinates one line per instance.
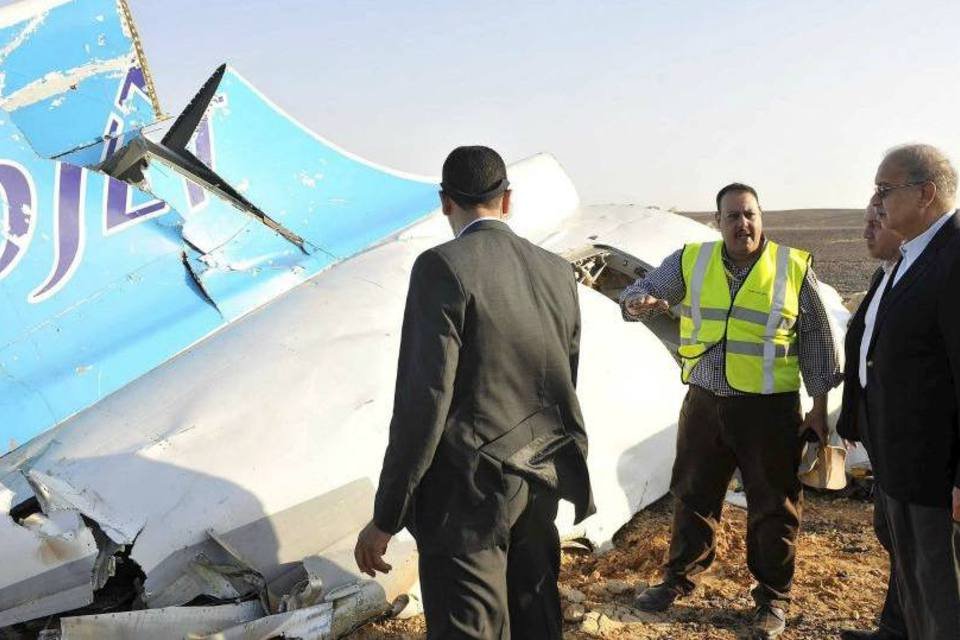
(126, 15)
(125, 165)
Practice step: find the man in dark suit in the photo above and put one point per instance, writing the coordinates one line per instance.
(884, 245)
(910, 378)
(487, 432)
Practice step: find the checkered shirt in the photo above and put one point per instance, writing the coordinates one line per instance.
(819, 362)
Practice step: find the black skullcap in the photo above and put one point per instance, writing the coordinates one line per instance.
(474, 175)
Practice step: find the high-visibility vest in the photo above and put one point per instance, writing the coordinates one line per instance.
(757, 329)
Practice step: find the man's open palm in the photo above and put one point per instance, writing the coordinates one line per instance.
(643, 304)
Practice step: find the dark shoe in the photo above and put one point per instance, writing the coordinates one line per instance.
(879, 634)
(768, 621)
(658, 597)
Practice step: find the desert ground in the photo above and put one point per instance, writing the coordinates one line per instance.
(833, 236)
(841, 569)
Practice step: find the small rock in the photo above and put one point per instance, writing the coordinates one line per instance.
(609, 626)
(572, 595)
(627, 615)
(599, 625)
(617, 587)
(596, 591)
(591, 623)
(574, 612)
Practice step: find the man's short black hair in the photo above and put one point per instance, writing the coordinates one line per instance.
(736, 187)
(474, 175)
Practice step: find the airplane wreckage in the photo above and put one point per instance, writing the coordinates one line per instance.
(198, 344)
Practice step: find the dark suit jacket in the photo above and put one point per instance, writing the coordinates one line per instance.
(848, 423)
(913, 377)
(490, 341)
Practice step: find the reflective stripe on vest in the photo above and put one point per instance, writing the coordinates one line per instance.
(696, 293)
(757, 327)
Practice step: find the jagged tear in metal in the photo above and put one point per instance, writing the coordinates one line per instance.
(199, 334)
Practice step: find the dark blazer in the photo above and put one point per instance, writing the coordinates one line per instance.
(485, 391)
(913, 377)
(847, 423)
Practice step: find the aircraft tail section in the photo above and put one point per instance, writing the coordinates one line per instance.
(338, 203)
(112, 269)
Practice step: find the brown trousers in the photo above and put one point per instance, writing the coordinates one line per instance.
(717, 435)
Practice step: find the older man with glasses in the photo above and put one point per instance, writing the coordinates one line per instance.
(909, 373)
(884, 245)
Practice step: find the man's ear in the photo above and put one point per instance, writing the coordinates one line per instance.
(446, 204)
(505, 204)
(928, 194)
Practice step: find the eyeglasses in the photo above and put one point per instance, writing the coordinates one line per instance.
(881, 191)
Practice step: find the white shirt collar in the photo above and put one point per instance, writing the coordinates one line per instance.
(911, 249)
(473, 222)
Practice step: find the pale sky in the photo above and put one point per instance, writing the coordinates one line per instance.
(652, 102)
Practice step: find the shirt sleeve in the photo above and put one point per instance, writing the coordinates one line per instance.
(819, 352)
(664, 282)
(429, 353)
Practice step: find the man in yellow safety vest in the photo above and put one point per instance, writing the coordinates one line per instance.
(751, 322)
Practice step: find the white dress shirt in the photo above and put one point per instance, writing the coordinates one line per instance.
(909, 252)
(871, 317)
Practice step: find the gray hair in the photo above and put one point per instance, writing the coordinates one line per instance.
(926, 163)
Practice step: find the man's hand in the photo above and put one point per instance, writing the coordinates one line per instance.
(956, 504)
(640, 304)
(371, 545)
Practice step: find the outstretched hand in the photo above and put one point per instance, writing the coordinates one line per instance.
(371, 546)
(640, 304)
